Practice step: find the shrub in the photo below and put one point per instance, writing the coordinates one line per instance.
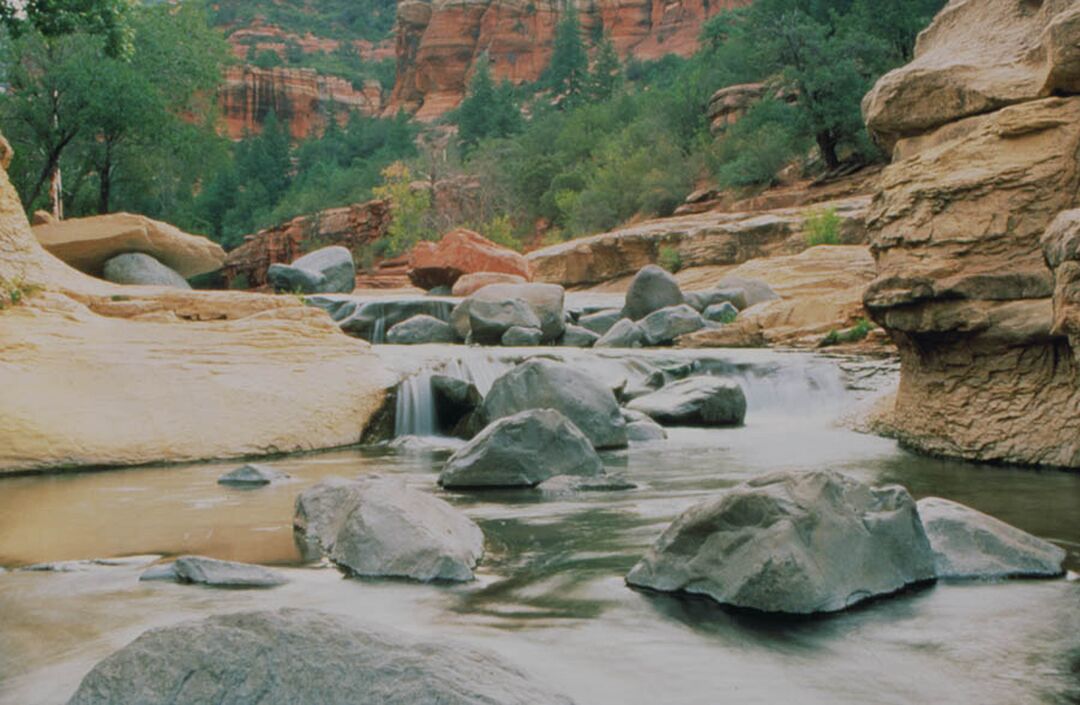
(857, 332)
(410, 209)
(822, 227)
(669, 258)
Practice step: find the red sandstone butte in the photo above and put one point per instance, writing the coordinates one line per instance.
(460, 252)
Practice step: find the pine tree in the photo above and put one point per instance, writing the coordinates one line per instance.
(606, 77)
(488, 110)
(568, 72)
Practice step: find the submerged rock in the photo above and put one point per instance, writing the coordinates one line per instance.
(695, 401)
(545, 384)
(521, 451)
(377, 526)
(421, 329)
(651, 290)
(210, 571)
(288, 657)
(329, 270)
(140, 269)
(970, 544)
(797, 543)
(518, 337)
(669, 323)
(251, 474)
(624, 334)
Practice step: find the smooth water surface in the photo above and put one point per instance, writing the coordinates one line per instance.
(550, 595)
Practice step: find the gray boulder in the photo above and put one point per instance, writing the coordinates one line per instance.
(522, 450)
(141, 269)
(695, 401)
(545, 384)
(489, 320)
(797, 543)
(754, 291)
(702, 300)
(371, 320)
(669, 323)
(721, 313)
(601, 321)
(578, 337)
(546, 301)
(251, 475)
(287, 657)
(210, 571)
(645, 431)
(421, 329)
(518, 337)
(377, 526)
(329, 270)
(651, 290)
(970, 544)
(624, 334)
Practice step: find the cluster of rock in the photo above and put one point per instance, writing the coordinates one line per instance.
(129, 249)
(814, 542)
(972, 230)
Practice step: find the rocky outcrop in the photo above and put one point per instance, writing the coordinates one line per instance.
(352, 227)
(797, 543)
(87, 243)
(299, 96)
(461, 252)
(983, 163)
(705, 239)
(159, 357)
(300, 656)
(728, 105)
(439, 41)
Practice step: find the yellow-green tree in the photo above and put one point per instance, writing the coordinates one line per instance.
(410, 207)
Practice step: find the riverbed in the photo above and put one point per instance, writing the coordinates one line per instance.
(550, 595)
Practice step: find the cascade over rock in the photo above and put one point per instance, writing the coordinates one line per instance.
(984, 160)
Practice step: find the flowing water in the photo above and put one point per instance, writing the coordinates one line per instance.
(550, 595)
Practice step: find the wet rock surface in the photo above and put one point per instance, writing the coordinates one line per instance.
(695, 401)
(251, 475)
(421, 329)
(201, 570)
(329, 270)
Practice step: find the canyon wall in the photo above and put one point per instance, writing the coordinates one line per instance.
(439, 41)
(984, 126)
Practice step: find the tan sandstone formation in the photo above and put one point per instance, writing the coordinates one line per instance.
(94, 373)
(703, 239)
(985, 126)
(86, 243)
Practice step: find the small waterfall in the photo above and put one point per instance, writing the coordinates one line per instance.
(378, 330)
(414, 411)
(478, 366)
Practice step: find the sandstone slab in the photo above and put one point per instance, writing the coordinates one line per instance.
(458, 253)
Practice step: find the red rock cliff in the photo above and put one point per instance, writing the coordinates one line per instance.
(438, 41)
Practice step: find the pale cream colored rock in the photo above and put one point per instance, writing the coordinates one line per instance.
(86, 243)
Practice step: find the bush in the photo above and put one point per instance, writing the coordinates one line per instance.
(857, 332)
(669, 258)
(822, 227)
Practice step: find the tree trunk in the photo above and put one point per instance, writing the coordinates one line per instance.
(56, 193)
(105, 182)
(827, 145)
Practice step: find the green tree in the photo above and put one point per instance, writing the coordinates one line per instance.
(488, 110)
(606, 76)
(568, 72)
(410, 209)
(53, 19)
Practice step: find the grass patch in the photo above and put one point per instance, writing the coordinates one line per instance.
(669, 258)
(857, 332)
(822, 227)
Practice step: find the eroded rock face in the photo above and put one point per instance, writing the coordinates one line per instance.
(301, 656)
(983, 164)
(796, 543)
(379, 527)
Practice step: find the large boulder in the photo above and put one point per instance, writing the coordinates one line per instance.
(522, 450)
(518, 337)
(601, 321)
(798, 543)
(490, 319)
(695, 401)
(458, 253)
(469, 284)
(457, 405)
(88, 243)
(329, 270)
(669, 323)
(624, 334)
(138, 269)
(380, 527)
(970, 544)
(546, 301)
(421, 329)
(300, 656)
(578, 337)
(651, 289)
(545, 384)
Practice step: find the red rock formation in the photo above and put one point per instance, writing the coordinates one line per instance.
(461, 252)
(438, 41)
(351, 226)
(299, 96)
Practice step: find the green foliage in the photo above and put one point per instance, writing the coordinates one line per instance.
(488, 110)
(15, 291)
(53, 19)
(568, 72)
(858, 332)
(605, 80)
(410, 208)
(822, 227)
(336, 19)
(267, 59)
(669, 258)
(758, 146)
